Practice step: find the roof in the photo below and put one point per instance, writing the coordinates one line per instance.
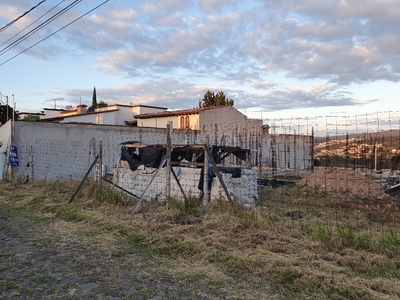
(29, 113)
(61, 118)
(140, 105)
(92, 113)
(166, 114)
(55, 109)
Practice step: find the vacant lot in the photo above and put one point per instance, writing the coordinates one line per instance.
(296, 244)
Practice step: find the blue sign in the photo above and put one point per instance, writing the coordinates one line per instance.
(14, 162)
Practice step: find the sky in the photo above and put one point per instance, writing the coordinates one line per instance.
(285, 59)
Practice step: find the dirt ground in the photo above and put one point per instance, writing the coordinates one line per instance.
(347, 182)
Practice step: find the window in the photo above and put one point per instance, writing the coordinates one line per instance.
(182, 123)
(187, 122)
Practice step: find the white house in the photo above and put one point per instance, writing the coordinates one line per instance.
(115, 114)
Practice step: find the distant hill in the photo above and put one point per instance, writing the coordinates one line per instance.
(387, 138)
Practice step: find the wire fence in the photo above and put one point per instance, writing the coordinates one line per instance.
(353, 182)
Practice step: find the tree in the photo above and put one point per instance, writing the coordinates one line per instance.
(101, 104)
(212, 99)
(31, 118)
(94, 98)
(94, 102)
(6, 113)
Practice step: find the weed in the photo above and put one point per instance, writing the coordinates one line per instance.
(351, 293)
(67, 213)
(137, 238)
(248, 215)
(112, 196)
(286, 276)
(190, 206)
(16, 197)
(390, 243)
(347, 236)
(233, 264)
(322, 233)
(364, 242)
(175, 249)
(387, 270)
(271, 219)
(251, 216)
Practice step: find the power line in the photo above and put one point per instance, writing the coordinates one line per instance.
(21, 16)
(54, 32)
(31, 23)
(37, 28)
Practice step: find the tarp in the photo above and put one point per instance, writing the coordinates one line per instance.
(218, 151)
(149, 156)
(152, 156)
(127, 154)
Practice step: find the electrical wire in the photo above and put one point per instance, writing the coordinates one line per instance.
(37, 28)
(21, 16)
(31, 23)
(54, 32)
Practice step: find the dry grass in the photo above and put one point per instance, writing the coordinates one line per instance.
(297, 244)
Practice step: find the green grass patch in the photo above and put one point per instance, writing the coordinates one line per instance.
(112, 196)
(190, 205)
(68, 213)
(390, 243)
(233, 264)
(175, 249)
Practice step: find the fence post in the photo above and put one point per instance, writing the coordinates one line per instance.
(168, 157)
(206, 191)
(100, 169)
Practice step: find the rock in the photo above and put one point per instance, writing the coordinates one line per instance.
(88, 287)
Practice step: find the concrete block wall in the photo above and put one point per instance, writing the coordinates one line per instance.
(66, 151)
(242, 190)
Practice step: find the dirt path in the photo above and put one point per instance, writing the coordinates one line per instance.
(36, 262)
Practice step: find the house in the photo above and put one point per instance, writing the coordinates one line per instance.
(193, 119)
(48, 113)
(188, 119)
(21, 115)
(115, 114)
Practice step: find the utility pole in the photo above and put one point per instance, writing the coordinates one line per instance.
(13, 116)
(168, 156)
(6, 109)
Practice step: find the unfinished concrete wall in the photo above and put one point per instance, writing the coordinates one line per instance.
(5, 143)
(287, 151)
(226, 126)
(242, 190)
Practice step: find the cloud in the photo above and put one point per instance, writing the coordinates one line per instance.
(263, 85)
(212, 6)
(168, 51)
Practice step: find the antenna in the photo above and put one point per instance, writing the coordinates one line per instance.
(55, 101)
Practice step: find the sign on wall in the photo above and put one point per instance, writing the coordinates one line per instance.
(14, 162)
